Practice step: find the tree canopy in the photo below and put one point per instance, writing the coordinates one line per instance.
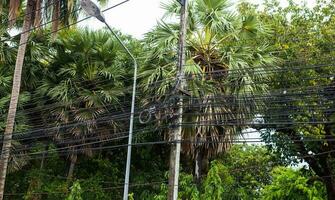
(267, 71)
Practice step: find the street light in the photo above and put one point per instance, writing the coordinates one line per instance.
(93, 10)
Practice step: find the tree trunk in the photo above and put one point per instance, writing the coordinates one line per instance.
(330, 186)
(73, 160)
(55, 17)
(328, 178)
(7, 141)
(324, 169)
(198, 166)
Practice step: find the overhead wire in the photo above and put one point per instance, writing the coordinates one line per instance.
(140, 131)
(80, 98)
(88, 190)
(232, 104)
(251, 115)
(218, 72)
(114, 137)
(201, 114)
(67, 149)
(163, 142)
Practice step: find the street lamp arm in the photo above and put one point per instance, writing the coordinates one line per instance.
(124, 47)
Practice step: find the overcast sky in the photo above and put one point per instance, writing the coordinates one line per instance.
(137, 17)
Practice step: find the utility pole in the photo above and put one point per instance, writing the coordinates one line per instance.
(181, 83)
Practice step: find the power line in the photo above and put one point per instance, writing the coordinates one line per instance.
(170, 142)
(218, 71)
(216, 97)
(102, 119)
(123, 116)
(142, 131)
(90, 190)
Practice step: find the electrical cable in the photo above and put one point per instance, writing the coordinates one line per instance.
(254, 96)
(113, 117)
(89, 190)
(218, 71)
(238, 140)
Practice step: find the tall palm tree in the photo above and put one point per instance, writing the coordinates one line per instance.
(223, 63)
(62, 13)
(7, 58)
(86, 76)
(7, 139)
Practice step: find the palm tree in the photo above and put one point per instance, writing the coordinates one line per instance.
(7, 58)
(86, 76)
(62, 13)
(7, 140)
(222, 64)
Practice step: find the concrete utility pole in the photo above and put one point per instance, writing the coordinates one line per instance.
(181, 84)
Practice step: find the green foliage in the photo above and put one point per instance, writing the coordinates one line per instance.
(93, 189)
(241, 173)
(88, 74)
(250, 167)
(75, 193)
(288, 183)
(218, 182)
(43, 184)
(187, 189)
(302, 37)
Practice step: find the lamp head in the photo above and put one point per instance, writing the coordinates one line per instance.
(92, 9)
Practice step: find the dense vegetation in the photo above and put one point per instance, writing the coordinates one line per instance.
(72, 120)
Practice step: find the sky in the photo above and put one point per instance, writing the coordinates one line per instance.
(137, 17)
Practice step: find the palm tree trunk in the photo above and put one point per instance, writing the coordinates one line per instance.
(198, 165)
(55, 17)
(7, 140)
(73, 160)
